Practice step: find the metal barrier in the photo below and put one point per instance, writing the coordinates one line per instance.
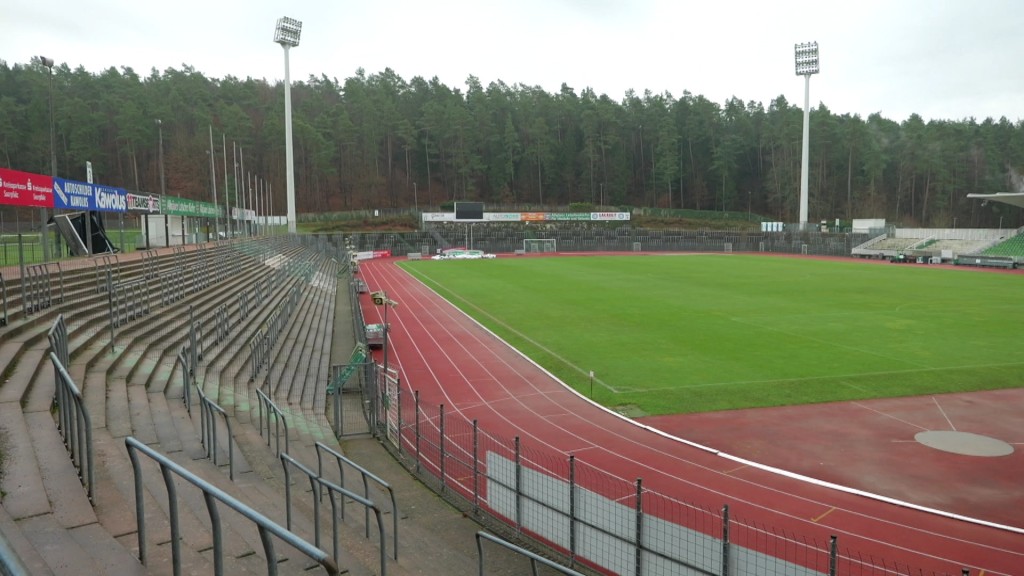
(212, 495)
(534, 558)
(187, 379)
(172, 283)
(37, 287)
(150, 264)
(243, 305)
(129, 301)
(11, 563)
(76, 426)
(106, 266)
(367, 476)
(3, 296)
(222, 323)
(317, 484)
(257, 354)
(279, 421)
(208, 427)
(195, 337)
(59, 343)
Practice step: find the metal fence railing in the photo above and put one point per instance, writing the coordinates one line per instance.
(208, 426)
(598, 520)
(534, 559)
(367, 477)
(335, 492)
(11, 563)
(268, 529)
(270, 409)
(3, 297)
(75, 425)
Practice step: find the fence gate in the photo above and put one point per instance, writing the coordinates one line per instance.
(388, 385)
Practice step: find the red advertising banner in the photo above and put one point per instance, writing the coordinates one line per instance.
(25, 189)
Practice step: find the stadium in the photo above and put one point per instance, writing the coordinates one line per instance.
(600, 398)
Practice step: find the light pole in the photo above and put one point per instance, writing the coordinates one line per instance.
(160, 136)
(213, 183)
(44, 236)
(380, 298)
(806, 65)
(287, 35)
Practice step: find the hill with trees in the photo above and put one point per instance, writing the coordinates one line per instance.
(380, 141)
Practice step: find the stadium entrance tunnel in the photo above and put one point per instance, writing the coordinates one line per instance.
(964, 443)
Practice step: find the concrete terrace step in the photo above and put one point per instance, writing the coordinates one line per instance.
(22, 476)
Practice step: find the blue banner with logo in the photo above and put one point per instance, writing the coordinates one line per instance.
(73, 195)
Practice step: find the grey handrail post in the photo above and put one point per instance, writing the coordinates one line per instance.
(110, 303)
(316, 480)
(266, 526)
(367, 475)
(534, 558)
(79, 425)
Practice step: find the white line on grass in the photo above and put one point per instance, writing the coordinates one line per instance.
(545, 349)
(831, 377)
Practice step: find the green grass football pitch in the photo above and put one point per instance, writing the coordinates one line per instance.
(676, 334)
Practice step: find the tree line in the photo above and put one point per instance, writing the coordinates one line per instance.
(379, 141)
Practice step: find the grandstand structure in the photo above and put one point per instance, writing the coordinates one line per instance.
(946, 245)
(162, 411)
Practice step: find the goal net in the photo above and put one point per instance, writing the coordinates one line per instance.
(539, 245)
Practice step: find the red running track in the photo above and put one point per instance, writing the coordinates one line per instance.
(451, 359)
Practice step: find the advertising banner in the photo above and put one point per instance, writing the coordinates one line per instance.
(143, 203)
(25, 189)
(185, 207)
(72, 195)
(533, 217)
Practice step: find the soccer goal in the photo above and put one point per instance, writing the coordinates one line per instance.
(539, 245)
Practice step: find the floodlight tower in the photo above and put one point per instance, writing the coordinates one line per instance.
(44, 236)
(287, 35)
(806, 65)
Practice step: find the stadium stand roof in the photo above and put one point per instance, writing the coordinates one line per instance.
(1011, 198)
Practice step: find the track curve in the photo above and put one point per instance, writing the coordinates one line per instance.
(452, 360)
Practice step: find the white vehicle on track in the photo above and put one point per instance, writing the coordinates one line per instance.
(462, 254)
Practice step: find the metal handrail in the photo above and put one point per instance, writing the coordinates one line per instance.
(11, 563)
(367, 475)
(3, 296)
(77, 430)
(316, 483)
(208, 428)
(211, 494)
(534, 558)
(279, 420)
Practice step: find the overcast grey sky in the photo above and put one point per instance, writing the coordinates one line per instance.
(943, 59)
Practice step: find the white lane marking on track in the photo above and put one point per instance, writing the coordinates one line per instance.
(887, 415)
(943, 412)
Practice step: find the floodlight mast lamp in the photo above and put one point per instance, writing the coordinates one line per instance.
(287, 35)
(806, 65)
(43, 217)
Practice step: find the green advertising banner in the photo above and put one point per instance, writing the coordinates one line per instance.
(185, 207)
